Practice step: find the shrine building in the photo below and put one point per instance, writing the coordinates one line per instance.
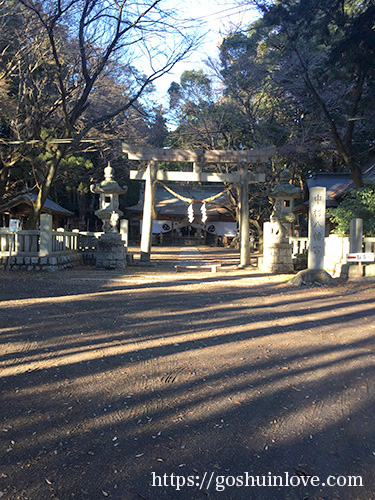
(214, 224)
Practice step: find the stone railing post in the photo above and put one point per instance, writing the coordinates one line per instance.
(356, 236)
(124, 231)
(45, 245)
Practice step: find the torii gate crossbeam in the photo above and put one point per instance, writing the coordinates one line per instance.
(242, 177)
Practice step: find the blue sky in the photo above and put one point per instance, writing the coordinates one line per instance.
(219, 17)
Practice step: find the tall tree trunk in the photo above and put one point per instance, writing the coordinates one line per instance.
(344, 145)
(44, 189)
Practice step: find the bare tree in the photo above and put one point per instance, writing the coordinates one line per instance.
(67, 49)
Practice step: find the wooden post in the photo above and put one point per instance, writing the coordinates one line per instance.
(244, 217)
(148, 205)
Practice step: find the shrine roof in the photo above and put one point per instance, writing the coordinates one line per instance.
(332, 181)
(27, 199)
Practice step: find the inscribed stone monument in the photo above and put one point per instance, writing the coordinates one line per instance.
(317, 220)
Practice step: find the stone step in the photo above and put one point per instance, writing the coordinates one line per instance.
(213, 267)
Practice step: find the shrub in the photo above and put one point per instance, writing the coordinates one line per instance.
(356, 204)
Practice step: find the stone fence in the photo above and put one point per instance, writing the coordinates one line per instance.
(336, 249)
(46, 249)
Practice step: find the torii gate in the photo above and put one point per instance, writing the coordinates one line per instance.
(197, 157)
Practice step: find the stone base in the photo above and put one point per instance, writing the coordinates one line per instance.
(334, 268)
(110, 252)
(354, 271)
(312, 277)
(277, 258)
(51, 263)
(144, 257)
(369, 270)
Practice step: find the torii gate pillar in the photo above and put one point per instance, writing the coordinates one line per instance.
(244, 217)
(148, 209)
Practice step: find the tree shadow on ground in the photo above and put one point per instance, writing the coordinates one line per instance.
(104, 387)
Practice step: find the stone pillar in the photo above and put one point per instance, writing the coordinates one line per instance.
(45, 227)
(244, 217)
(124, 231)
(356, 236)
(148, 205)
(317, 220)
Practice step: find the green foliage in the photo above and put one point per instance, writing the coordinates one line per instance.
(306, 82)
(357, 204)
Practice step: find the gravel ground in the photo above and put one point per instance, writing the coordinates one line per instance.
(127, 385)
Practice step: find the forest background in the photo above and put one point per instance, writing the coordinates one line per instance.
(300, 77)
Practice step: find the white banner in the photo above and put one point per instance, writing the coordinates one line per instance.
(219, 228)
(160, 226)
(222, 228)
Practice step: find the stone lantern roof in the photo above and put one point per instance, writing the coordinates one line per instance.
(109, 185)
(284, 188)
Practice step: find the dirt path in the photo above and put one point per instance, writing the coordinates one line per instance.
(113, 382)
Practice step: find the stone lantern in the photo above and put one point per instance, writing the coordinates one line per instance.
(109, 191)
(283, 195)
(277, 252)
(110, 249)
